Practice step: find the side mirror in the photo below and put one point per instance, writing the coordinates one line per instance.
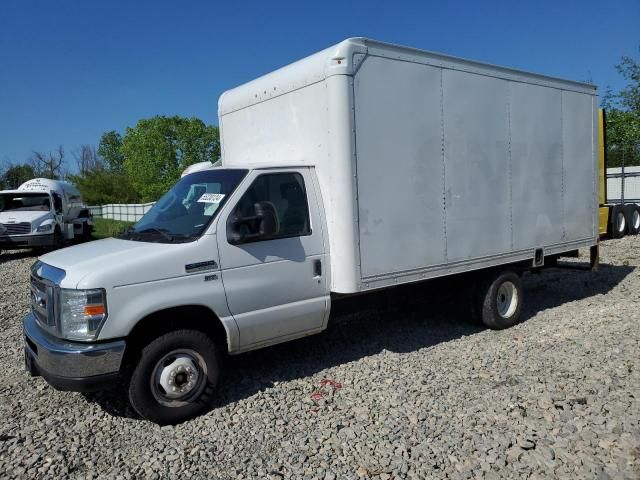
(267, 221)
(236, 234)
(262, 225)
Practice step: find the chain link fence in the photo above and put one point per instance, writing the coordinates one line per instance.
(127, 212)
(623, 173)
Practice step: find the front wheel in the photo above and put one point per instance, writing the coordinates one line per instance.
(175, 377)
(499, 299)
(85, 236)
(58, 238)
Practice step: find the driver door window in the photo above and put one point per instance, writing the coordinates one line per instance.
(275, 206)
(57, 203)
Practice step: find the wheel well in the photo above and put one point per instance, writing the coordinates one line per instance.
(196, 317)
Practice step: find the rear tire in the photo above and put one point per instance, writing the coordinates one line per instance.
(617, 222)
(632, 217)
(499, 299)
(175, 377)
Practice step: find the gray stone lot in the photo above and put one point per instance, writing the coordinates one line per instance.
(415, 391)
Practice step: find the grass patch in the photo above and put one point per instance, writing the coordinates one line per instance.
(105, 227)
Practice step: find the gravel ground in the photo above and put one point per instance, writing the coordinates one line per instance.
(407, 390)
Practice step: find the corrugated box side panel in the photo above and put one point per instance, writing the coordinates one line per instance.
(478, 186)
(399, 166)
(536, 159)
(458, 170)
(579, 170)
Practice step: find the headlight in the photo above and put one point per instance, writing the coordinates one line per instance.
(45, 228)
(82, 313)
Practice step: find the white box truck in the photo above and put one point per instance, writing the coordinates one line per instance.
(42, 213)
(364, 166)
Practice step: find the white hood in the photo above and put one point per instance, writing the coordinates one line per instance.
(113, 262)
(33, 217)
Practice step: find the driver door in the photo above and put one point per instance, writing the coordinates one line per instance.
(274, 281)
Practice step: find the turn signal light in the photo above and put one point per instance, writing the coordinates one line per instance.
(93, 310)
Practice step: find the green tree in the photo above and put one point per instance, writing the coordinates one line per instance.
(110, 149)
(623, 117)
(158, 149)
(100, 186)
(16, 175)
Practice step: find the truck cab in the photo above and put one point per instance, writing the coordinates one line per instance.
(42, 213)
(213, 252)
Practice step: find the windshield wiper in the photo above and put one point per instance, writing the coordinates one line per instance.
(161, 231)
(131, 233)
(127, 233)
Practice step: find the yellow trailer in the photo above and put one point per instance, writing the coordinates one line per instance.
(620, 217)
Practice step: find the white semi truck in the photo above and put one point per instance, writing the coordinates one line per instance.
(42, 213)
(362, 167)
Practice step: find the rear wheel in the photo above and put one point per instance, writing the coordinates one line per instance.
(175, 377)
(499, 298)
(617, 222)
(632, 217)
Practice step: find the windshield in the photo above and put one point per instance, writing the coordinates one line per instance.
(183, 213)
(21, 202)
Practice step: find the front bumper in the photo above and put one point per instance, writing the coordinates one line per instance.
(73, 366)
(26, 241)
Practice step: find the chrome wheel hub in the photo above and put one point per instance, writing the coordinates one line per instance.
(507, 299)
(622, 222)
(178, 377)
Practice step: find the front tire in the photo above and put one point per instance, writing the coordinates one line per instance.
(499, 300)
(86, 232)
(175, 377)
(58, 238)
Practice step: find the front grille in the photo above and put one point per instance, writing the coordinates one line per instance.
(16, 228)
(42, 296)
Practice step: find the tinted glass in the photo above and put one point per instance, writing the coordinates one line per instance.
(25, 202)
(183, 213)
(283, 198)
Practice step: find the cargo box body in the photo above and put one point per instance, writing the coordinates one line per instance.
(427, 165)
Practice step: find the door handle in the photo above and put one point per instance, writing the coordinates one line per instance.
(317, 268)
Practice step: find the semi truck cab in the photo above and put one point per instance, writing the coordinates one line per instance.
(42, 213)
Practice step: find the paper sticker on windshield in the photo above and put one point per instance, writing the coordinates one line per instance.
(211, 197)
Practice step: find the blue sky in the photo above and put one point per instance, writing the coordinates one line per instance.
(71, 70)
